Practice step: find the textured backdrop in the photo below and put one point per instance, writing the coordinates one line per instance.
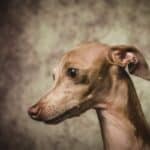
(33, 36)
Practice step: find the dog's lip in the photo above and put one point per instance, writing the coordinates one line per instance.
(69, 113)
(73, 112)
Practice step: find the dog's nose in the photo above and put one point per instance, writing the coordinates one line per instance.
(34, 112)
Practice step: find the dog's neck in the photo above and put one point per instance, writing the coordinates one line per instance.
(121, 118)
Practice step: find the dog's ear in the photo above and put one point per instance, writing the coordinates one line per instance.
(130, 56)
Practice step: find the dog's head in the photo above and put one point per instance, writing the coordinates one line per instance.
(83, 78)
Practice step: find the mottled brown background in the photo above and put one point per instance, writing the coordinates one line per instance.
(33, 35)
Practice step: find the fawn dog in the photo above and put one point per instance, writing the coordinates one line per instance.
(94, 75)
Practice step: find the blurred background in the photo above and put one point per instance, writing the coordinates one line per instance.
(34, 34)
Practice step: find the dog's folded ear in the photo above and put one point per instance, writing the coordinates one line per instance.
(130, 56)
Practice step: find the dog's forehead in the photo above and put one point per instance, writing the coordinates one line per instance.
(86, 55)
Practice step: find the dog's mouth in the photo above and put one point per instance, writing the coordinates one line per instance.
(73, 112)
(68, 114)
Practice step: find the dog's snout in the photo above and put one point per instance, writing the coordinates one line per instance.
(34, 112)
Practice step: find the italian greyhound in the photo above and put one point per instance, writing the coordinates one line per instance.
(95, 75)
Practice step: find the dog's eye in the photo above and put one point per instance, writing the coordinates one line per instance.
(72, 72)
